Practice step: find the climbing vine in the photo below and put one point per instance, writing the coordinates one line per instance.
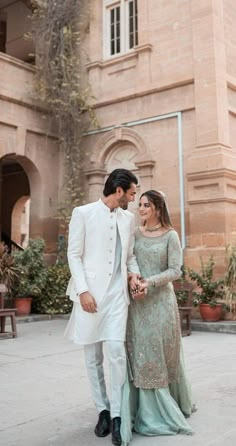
(59, 29)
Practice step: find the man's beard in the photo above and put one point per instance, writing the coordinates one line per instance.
(123, 203)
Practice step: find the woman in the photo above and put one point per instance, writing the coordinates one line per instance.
(156, 394)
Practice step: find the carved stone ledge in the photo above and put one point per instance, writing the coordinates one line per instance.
(145, 167)
(211, 186)
(209, 174)
(11, 60)
(212, 200)
(95, 175)
(132, 54)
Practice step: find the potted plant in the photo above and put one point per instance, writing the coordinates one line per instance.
(32, 275)
(230, 281)
(181, 288)
(183, 291)
(209, 291)
(8, 270)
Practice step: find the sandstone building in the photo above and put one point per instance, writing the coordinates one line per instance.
(163, 75)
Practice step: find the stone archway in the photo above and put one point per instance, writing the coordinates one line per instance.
(20, 180)
(120, 147)
(20, 221)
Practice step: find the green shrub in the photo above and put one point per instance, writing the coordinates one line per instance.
(182, 297)
(209, 290)
(53, 299)
(8, 271)
(230, 280)
(31, 270)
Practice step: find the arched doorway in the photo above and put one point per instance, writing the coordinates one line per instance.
(20, 181)
(20, 221)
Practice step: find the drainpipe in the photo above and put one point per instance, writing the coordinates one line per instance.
(1, 200)
(177, 115)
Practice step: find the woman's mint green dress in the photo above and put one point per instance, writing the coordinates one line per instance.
(156, 395)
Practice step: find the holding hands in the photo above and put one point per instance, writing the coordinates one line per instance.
(138, 286)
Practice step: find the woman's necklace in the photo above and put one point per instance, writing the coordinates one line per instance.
(152, 228)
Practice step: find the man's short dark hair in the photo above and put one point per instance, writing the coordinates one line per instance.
(119, 178)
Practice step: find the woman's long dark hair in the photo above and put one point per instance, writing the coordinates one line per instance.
(158, 200)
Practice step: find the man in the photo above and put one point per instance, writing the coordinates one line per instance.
(100, 255)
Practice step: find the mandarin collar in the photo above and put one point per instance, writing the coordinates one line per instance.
(105, 207)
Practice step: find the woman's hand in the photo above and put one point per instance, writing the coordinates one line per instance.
(134, 280)
(140, 291)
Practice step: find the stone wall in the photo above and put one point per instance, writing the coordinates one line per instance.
(170, 99)
(27, 138)
(184, 62)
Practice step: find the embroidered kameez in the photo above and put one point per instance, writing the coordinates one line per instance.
(156, 394)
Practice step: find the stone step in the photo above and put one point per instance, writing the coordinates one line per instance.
(198, 325)
(217, 327)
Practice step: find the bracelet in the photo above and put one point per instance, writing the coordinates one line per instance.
(151, 282)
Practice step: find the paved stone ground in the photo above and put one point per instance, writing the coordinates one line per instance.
(45, 399)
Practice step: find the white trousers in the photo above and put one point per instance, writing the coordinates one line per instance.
(117, 365)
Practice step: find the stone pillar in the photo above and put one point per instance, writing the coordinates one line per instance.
(95, 47)
(143, 23)
(145, 174)
(212, 164)
(96, 180)
(144, 47)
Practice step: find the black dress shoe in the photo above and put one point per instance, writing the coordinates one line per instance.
(116, 437)
(103, 428)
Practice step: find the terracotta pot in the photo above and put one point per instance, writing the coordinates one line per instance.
(22, 305)
(210, 314)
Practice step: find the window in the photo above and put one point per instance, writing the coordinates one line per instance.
(133, 23)
(121, 26)
(3, 35)
(115, 30)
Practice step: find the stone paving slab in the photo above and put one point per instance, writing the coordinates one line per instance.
(45, 398)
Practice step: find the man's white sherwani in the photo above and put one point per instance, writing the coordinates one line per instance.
(100, 252)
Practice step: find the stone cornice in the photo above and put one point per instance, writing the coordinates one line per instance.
(232, 110)
(146, 163)
(17, 62)
(214, 145)
(231, 82)
(95, 171)
(212, 200)
(132, 54)
(40, 132)
(210, 174)
(23, 103)
(9, 124)
(146, 92)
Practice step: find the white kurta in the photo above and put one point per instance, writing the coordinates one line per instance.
(109, 323)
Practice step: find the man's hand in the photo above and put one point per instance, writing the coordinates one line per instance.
(88, 302)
